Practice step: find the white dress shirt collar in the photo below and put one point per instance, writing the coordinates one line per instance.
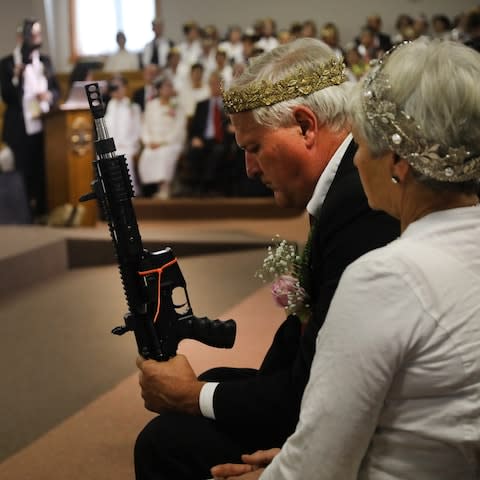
(326, 178)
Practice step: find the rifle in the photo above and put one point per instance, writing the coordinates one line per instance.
(149, 278)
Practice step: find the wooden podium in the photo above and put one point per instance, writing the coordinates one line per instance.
(69, 153)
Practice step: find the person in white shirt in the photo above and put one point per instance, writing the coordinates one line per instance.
(163, 136)
(122, 60)
(194, 89)
(207, 57)
(224, 68)
(268, 40)
(176, 70)
(394, 387)
(123, 119)
(191, 47)
(233, 45)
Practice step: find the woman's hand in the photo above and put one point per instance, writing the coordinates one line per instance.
(251, 469)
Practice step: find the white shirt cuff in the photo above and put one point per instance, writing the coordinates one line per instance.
(205, 400)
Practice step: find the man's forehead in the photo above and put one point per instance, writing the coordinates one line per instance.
(246, 129)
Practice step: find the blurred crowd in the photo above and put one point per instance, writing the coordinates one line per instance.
(184, 146)
(173, 131)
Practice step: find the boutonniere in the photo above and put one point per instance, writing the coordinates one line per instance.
(282, 267)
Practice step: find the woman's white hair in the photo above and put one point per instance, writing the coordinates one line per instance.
(330, 104)
(436, 83)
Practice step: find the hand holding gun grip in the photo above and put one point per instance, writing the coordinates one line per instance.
(149, 278)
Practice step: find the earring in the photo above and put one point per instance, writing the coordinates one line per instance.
(395, 179)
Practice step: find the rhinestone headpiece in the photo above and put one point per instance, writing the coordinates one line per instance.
(403, 136)
(299, 84)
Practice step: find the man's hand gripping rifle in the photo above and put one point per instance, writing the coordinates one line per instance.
(149, 278)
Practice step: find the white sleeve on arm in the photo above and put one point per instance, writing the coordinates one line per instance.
(206, 399)
(357, 353)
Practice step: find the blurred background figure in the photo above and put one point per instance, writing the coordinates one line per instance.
(122, 60)
(211, 139)
(403, 25)
(143, 94)
(284, 36)
(163, 136)
(224, 68)
(331, 36)
(309, 29)
(29, 89)
(382, 40)
(195, 89)
(268, 35)
(233, 45)
(207, 56)
(156, 50)
(472, 29)
(441, 27)
(249, 40)
(367, 46)
(356, 65)
(175, 69)
(295, 30)
(123, 119)
(191, 46)
(421, 26)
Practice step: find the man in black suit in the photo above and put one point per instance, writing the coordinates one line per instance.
(156, 51)
(289, 113)
(382, 40)
(210, 144)
(29, 89)
(143, 94)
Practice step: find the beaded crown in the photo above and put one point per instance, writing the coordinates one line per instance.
(404, 137)
(300, 83)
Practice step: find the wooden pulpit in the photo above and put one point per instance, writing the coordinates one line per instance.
(69, 153)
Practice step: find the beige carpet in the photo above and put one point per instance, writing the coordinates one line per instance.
(70, 405)
(96, 442)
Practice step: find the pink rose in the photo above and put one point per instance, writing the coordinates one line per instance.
(282, 287)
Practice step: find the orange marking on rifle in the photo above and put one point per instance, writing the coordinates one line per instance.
(159, 272)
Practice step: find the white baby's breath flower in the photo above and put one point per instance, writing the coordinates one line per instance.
(281, 266)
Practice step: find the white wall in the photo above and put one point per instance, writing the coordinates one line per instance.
(13, 13)
(349, 16)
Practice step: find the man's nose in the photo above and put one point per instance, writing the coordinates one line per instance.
(251, 165)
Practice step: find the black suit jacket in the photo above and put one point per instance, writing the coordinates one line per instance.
(138, 97)
(200, 119)
(263, 410)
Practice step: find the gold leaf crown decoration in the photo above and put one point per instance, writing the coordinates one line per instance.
(405, 137)
(299, 84)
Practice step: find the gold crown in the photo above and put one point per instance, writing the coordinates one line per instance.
(405, 137)
(299, 84)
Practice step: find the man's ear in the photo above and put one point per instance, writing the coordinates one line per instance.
(307, 123)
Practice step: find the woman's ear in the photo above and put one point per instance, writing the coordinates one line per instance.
(307, 123)
(400, 168)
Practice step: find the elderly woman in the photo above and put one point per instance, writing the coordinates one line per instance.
(394, 391)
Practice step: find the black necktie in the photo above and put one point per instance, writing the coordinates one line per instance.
(154, 58)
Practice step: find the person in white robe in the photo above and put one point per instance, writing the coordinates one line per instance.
(163, 135)
(123, 119)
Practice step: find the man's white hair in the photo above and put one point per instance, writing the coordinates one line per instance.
(330, 104)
